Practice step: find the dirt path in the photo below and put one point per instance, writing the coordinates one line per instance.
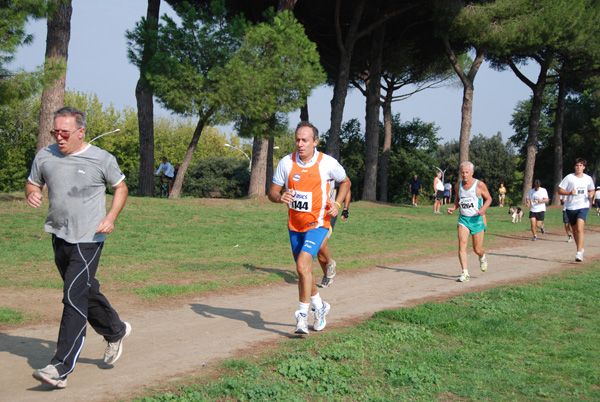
(169, 343)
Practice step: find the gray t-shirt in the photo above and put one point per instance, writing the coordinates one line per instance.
(76, 190)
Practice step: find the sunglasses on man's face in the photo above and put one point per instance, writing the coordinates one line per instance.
(64, 134)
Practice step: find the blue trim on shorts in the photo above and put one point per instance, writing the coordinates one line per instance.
(574, 214)
(309, 241)
(475, 224)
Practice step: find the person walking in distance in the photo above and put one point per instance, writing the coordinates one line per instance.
(76, 174)
(579, 189)
(501, 194)
(473, 199)
(306, 175)
(447, 193)
(438, 190)
(415, 186)
(327, 263)
(536, 199)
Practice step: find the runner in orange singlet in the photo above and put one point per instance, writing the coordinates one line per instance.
(306, 175)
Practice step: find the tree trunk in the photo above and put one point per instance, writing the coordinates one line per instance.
(372, 116)
(340, 89)
(558, 142)
(57, 49)
(269, 169)
(187, 159)
(259, 165)
(387, 146)
(533, 135)
(286, 5)
(468, 81)
(304, 112)
(145, 108)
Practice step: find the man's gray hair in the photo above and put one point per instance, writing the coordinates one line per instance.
(311, 126)
(80, 120)
(470, 164)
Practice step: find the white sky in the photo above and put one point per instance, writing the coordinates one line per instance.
(98, 64)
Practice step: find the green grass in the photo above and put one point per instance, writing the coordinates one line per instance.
(164, 248)
(9, 316)
(537, 342)
(529, 343)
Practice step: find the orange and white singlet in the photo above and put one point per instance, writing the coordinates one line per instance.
(311, 184)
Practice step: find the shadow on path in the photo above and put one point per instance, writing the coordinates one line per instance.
(420, 272)
(252, 318)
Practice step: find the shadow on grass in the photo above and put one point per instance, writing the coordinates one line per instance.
(287, 276)
(252, 318)
(420, 272)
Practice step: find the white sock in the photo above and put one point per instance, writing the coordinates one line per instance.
(303, 308)
(316, 301)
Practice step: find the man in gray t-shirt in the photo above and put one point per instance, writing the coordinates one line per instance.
(76, 174)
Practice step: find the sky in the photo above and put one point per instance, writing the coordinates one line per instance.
(98, 64)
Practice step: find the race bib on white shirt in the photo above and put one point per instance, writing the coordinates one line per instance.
(302, 201)
(467, 203)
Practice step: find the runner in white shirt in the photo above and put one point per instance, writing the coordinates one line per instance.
(536, 200)
(598, 201)
(579, 189)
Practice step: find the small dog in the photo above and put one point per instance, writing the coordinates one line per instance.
(517, 214)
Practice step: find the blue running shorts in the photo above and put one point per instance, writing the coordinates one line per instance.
(309, 241)
(574, 214)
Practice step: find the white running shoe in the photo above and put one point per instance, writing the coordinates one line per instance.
(483, 263)
(320, 315)
(114, 349)
(534, 238)
(325, 282)
(49, 375)
(331, 269)
(301, 323)
(464, 277)
(579, 255)
(570, 239)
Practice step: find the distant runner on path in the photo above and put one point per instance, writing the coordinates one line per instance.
(536, 199)
(306, 175)
(470, 196)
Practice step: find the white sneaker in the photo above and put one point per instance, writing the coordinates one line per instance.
(464, 277)
(114, 349)
(320, 315)
(301, 323)
(49, 375)
(483, 263)
(325, 282)
(579, 255)
(570, 239)
(331, 269)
